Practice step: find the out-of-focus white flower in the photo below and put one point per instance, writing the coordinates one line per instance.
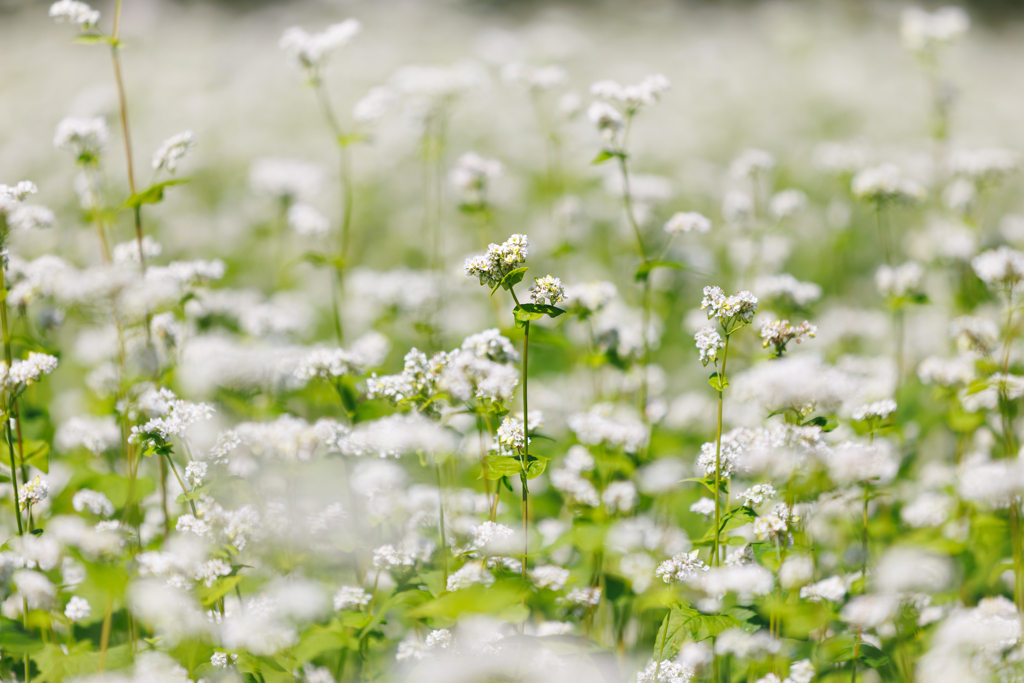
(311, 50)
(923, 31)
(172, 150)
(75, 12)
(689, 221)
(885, 183)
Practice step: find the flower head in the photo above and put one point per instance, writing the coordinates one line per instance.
(547, 290)
(75, 12)
(500, 259)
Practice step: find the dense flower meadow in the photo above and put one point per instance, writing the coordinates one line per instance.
(416, 412)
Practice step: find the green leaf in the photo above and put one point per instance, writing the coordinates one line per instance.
(647, 266)
(536, 467)
(154, 194)
(475, 599)
(194, 494)
(220, 588)
(513, 278)
(684, 623)
(91, 39)
(506, 483)
(717, 382)
(827, 424)
(499, 466)
(525, 313)
(36, 454)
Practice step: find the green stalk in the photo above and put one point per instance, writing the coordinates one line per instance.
(716, 560)
(526, 446)
(444, 542)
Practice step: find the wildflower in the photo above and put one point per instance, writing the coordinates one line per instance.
(708, 342)
(472, 174)
(885, 183)
(287, 179)
(619, 496)
(351, 597)
(374, 104)
(606, 119)
(705, 506)
(547, 290)
(24, 373)
(730, 311)
(221, 659)
(172, 150)
(33, 492)
(471, 573)
(667, 672)
(751, 162)
(646, 92)
(549, 576)
(500, 259)
(682, 567)
(492, 345)
(689, 221)
(93, 501)
(984, 166)
(85, 137)
(879, 410)
(95, 434)
(75, 12)
(923, 31)
(801, 671)
(900, 280)
(208, 572)
(780, 332)
(511, 434)
(589, 298)
(757, 494)
(598, 426)
(999, 267)
(311, 50)
(589, 596)
(833, 589)
(774, 523)
(535, 78)
(786, 203)
(194, 472)
(77, 609)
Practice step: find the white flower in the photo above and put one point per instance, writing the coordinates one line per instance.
(32, 492)
(311, 50)
(646, 92)
(23, 373)
(751, 162)
(922, 31)
(93, 501)
(885, 182)
(84, 137)
(757, 494)
(472, 175)
(75, 12)
(351, 597)
(500, 259)
(1003, 266)
(549, 576)
(786, 203)
(77, 609)
(879, 410)
(305, 220)
(547, 290)
(591, 297)
(619, 496)
(779, 333)
(172, 150)
(511, 434)
(589, 596)
(194, 472)
(470, 574)
(900, 280)
(667, 672)
(833, 589)
(739, 307)
(681, 567)
(689, 221)
(708, 342)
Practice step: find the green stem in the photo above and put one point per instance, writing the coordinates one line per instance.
(526, 444)
(716, 560)
(444, 542)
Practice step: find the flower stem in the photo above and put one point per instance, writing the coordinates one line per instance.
(526, 445)
(716, 560)
(440, 503)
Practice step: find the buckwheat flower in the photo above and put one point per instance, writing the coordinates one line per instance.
(32, 492)
(929, 509)
(492, 267)
(869, 611)
(208, 572)
(194, 472)
(311, 50)
(885, 183)
(667, 672)
(388, 556)
(330, 363)
(984, 165)
(973, 333)
(780, 332)
(549, 576)
(472, 175)
(128, 252)
(351, 597)
(574, 488)
(599, 426)
(589, 298)
(737, 206)
(492, 345)
(729, 310)
(923, 31)
(999, 267)
(24, 373)
(769, 678)
(786, 203)
(757, 494)
(795, 572)
(774, 523)
(95, 434)
(833, 589)
(17, 192)
(77, 609)
(35, 588)
(900, 280)
(705, 506)
(750, 163)
(801, 671)
(589, 596)
(93, 501)
(72, 11)
(374, 105)
(511, 434)
(85, 137)
(535, 77)
(180, 416)
(689, 221)
(547, 290)
(619, 496)
(646, 92)
(222, 659)
(682, 567)
(172, 150)
(190, 524)
(879, 410)
(850, 462)
(470, 574)
(605, 118)
(26, 217)
(747, 646)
